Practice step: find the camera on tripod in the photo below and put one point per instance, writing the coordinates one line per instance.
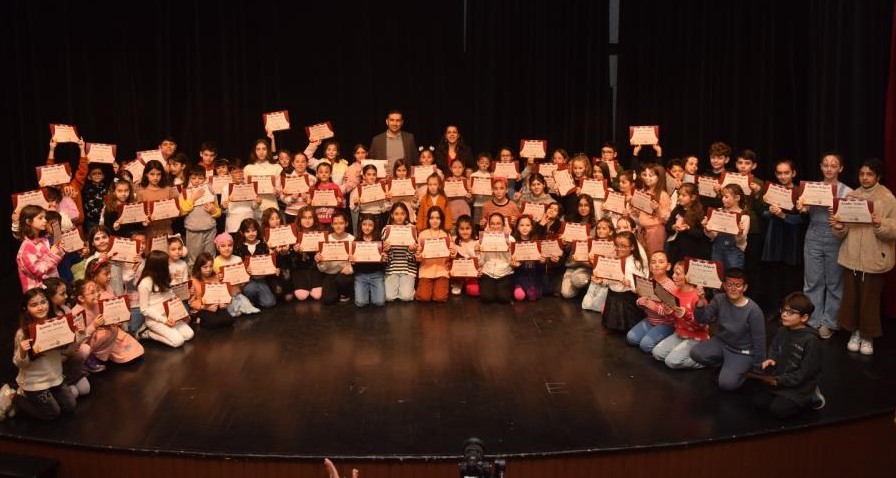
(474, 464)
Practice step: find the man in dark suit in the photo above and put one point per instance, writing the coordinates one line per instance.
(393, 143)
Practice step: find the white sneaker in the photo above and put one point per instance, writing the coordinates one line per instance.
(455, 290)
(854, 342)
(866, 347)
(6, 394)
(825, 332)
(83, 386)
(817, 401)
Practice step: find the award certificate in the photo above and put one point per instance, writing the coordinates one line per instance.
(319, 131)
(261, 265)
(215, 293)
(400, 235)
(324, 198)
(703, 273)
(334, 251)
(52, 333)
(367, 251)
(817, 193)
(481, 186)
(609, 268)
(436, 248)
(778, 195)
(276, 120)
(706, 186)
(856, 211)
(54, 174)
(493, 242)
(723, 221)
(534, 210)
(115, 311)
(309, 240)
(235, 274)
(464, 268)
(643, 135)
(280, 236)
(533, 148)
(101, 153)
(525, 251)
(575, 231)
(455, 188)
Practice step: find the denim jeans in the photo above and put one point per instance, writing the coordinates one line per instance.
(136, 321)
(725, 250)
(370, 288)
(260, 294)
(675, 351)
(823, 279)
(647, 336)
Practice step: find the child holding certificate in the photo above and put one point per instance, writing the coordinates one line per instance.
(379, 209)
(496, 281)
(621, 312)
(501, 204)
(652, 231)
(548, 227)
(199, 220)
(306, 278)
(100, 338)
(684, 228)
(401, 268)
(529, 274)
(579, 169)
(505, 155)
(400, 170)
(460, 205)
(73, 368)
(154, 187)
(483, 163)
(36, 259)
(338, 280)
(237, 210)
(782, 252)
(465, 241)
(325, 183)
(433, 196)
(252, 244)
(298, 168)
(432, 272)
(122, 193)
(578, 269)
(728, 248)
(155, 290)
(123, 348)
(272, 218)
(370, 283)
(210, 316)
(535, 193)
(659, 322)
(675, 350)
(261, 163)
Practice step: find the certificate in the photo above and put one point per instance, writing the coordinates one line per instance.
(319, 131)
(206, 197)
(124, 249)
(481, 186)
(215, 293)
(115, 311)
(817, 193)
(853, 210)
(181, 290)
(265, 184)
(609, 268)
(723, 221)
(334, 251)
(159, 243)
(435, 248)
(461, 267)
(547, 169)
(54, 174)
(136, 168)
(101, 153)
(324, 198)
(703, 273)
(261, 265)
(580, 250)
(308, 241)
(505, 169)
(295, 184)
(235, 274)
(615, 203)
(456, 188)
(242, 192)
(402, 187)
(665, 296)
(220, 183)
(526, 251)
(132, 213)
(596, 188)
(400, 235)
(575, 231)
(175, 310)
(422, 173)
(51, 333)
(706, 186)
(276, 120)
(367, 251)
(642, 201)
(29, 198)
(72, 241)
(372, 193)
(778, 195)
(563, 181)
(493, 242)
(641, 135)
(533, 210)
(533, 148)
(280, 236)
(551, 248)
(64, 133)
(150, 155)
(163, 209)
(742, 180)
(645, 287)
(603, 247)
(381, 165)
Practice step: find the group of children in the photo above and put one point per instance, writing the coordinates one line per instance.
(352, 232)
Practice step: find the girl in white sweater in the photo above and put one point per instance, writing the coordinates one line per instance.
(154, 289)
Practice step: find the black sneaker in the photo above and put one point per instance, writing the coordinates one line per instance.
(817, 400)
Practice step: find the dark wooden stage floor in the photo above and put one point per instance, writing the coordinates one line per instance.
(416, 380)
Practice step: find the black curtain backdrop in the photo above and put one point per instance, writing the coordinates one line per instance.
(130, 73)
(786, 79)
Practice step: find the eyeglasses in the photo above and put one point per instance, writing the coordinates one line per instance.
(789, 311)
(735, 285)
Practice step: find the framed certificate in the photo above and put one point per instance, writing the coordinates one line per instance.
(533, 210)
(644, 287)
(334, 251)
(221, 183)
(181, 290)
(242, 192)
(706, 186)
(295, 184)
(276, 120)
(206, 197)
(723, 221)
(461, 267)
(367, 251)
(703, 273)
(101, 153)
(603, 247)
(372, 193)
(265, 184)
(643, 135)
(857, 211)
(123, 249)
(150, 155)
(215, 294)
(280, 236)
(505, 169)
(422, 173)
(29, 198)
(455, 188)
(116, 310)
(596, 188)
(261, 265)
(324, 198)
(580, 250)
(435, 248)
(615, 203)
(609, 268)
(742, 180)
(54, 174)
(175, 310)
(533, 148)
(235, 274)
(402, 187)
(817, 193)
(132, 213)
(319, 131)
(481, 186)
(71, 240)
(381, 165)
(493, 242)
(575, 231)
(309, 240)
(778, 195)
(526, 251)
(163, 209)
(551, 248)
(563, 181)
(52, 333)
(64, 133)
(400, 235)
(642, 201)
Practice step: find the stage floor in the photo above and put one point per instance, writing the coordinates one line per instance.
(416, 380)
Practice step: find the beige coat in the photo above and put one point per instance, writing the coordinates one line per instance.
(865, 248)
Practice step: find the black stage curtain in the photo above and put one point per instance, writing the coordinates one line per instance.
(786, 79)
(130, 73)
